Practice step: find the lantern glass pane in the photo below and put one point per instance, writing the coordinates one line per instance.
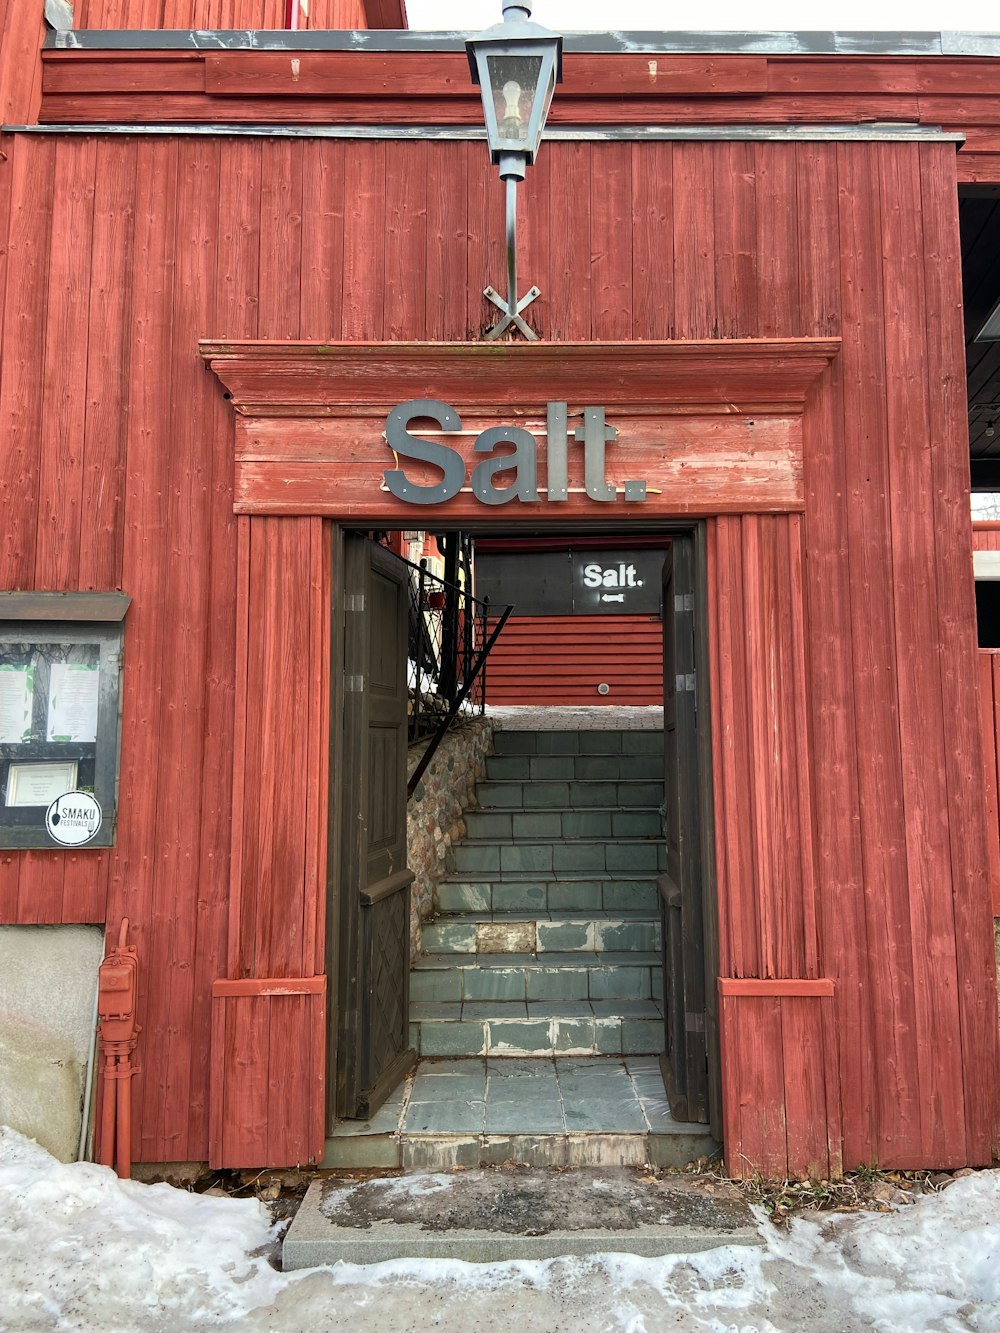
(513, 80)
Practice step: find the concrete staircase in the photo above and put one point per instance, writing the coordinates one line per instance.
(548, 938)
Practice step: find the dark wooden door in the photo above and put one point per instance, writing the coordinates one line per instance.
(684, 1062)
(373, 1050)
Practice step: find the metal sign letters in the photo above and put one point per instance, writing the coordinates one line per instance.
(594, 434)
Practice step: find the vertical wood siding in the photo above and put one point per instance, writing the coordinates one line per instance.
(855, 843)
(150, 15)
(22, 31)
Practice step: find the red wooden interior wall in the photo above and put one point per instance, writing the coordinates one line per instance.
(118, 473)
(562, 659)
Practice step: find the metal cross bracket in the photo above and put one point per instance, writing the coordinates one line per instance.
(511, 307)
(511, 318)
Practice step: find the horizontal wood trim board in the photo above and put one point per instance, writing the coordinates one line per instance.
(306, 445)
(751, 372)
(984, 170)
(404, 87)
(336, 491)
(150, 108)
(690, 465)
(353, 74)
(718, 440)
(269, 986)
(103, 607)
(753, 986)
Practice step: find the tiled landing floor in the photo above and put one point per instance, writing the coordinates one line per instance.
(579, 717)
(599, 1095)
(566, 1111)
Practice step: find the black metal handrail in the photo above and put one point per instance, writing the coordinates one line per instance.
(450, 636)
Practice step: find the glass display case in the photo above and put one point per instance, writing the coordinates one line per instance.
(60, 692)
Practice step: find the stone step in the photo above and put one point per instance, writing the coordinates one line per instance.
(633, 856)
(521, 825)
(542, 1111)
(578, 742)
(574, 767)
(502, 1213)
(546, 1027)
(570, 894)
(545, 932)
(540, 795)
(530, 977)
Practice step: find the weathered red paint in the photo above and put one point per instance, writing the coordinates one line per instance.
(852, 838)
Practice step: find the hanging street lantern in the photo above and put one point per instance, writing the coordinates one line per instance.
(516, 65)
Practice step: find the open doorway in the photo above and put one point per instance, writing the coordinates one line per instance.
(560, 950)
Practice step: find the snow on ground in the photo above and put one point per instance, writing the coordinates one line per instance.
(80, 1249)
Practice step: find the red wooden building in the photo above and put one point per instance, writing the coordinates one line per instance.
(227, 258)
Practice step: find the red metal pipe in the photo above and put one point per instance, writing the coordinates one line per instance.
(118, 1032)
(108, 1102)
(123, 1130)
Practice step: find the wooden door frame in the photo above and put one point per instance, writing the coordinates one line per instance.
(698, 532)
(716, 426)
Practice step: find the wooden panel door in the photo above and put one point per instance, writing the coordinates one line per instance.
(684, 1062)
(373, 1051)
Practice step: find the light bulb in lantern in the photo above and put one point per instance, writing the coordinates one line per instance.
(512, 124)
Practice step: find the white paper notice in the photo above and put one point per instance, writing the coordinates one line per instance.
(39, 784)
(72, 702)
(15, 704)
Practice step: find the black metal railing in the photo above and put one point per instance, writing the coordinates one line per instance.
(450, 636)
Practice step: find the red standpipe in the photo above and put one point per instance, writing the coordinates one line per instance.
(118, 1033)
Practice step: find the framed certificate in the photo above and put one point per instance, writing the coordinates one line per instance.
(39, 784)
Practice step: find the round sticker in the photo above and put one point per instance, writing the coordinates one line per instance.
(73, 818)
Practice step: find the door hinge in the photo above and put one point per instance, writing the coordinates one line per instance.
(354, 601)
(683, 601)
(694, 1022)
(685, 684)
(354, 684)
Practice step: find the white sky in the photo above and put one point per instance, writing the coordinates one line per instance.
(720, 15)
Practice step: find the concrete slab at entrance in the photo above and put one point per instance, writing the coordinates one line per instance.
(505, 1213)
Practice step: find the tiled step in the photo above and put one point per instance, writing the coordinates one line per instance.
(578, 742)
(546, 932)
(574, 767)
(635, 975)
(546, 1112)
(540, 795)
(573, 893)
(521, 825)
(633, 856)
(549, 1027)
